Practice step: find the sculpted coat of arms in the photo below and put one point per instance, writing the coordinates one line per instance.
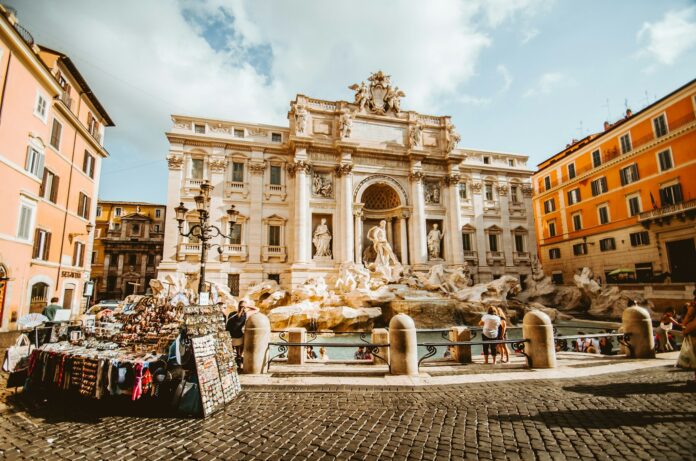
(379, 97)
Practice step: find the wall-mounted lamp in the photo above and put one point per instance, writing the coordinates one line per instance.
(88, 227)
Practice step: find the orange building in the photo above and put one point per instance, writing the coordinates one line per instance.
(624, 198)
(51, 148)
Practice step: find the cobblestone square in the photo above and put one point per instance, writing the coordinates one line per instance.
(638, 415)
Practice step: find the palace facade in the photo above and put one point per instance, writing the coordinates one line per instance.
(308, 193)
(624, 199)
(128, 241)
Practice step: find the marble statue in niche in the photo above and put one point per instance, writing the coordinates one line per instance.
(416, 135)
(434, 238)
(300, 119)
(322, 240)
(385, 265)
(322, 185)
(345, 124)
(432, 193)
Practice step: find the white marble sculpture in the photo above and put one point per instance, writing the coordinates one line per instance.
(386, 264)
(453, 138)
(322, 241)
(322, 185)
(361, 94)
(416, 135)
(300, 119)
(432, 193)
(345, 124)
(434, 238)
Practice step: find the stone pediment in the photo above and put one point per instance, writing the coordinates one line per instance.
(136, 217)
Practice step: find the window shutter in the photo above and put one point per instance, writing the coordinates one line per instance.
(42, 188)
(27, 163)
(74, 254)
(91, 167)
(634, 167)
(87, 206)
(37, 235)
(570, 197)
(84, 162)
(604, 184)
(622, 174)
(54, 189)
(47, 245)
(678, 193)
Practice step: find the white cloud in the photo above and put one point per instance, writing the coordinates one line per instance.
(528, 35)
(667, 39)
(548, 83)
(507, 77)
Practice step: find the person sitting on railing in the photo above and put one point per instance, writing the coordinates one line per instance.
(489, 332)
(311, 355)
(606, 347)
(359, 354)
(323, 356)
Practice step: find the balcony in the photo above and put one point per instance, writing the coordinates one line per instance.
(67, 100)
(495, 257)
(193, 185)
(521, 257)
(664, 215)
(277, 190)
(234, 187)
(189, 249)
(276, 252)
(234, 251)
(471, 257)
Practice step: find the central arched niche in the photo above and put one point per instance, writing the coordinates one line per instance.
(380, 201)
(380, 197)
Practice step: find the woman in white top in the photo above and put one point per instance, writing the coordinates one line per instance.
(663, 332)
(489, 332)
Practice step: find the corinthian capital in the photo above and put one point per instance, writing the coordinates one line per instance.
(452, 179)
(416, 176)
(344, 169)
(175, 162)
(299, 166)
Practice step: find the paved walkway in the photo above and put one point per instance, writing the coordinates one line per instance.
(644, 414)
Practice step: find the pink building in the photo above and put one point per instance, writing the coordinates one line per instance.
(51, 149)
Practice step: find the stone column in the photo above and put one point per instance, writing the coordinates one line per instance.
(541, 347)
(454, 214)
(143, 270)
(358, 217)
(403, 346)
(404, 238)
(296, 354)
(254, 232)
(119, 273)
(302, 224)
(507, 239)
(636, 322)
(390, 232)
(346, 212)
(479, 224)
(419, 251)
(461, 354)
(381, 336)
(257, 333)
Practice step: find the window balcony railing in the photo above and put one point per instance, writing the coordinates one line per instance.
(668, 210)
(495, 257)
(193, 184)
(521, 257)
(273, 251)
(235, 187)
(234, 251)
(67, 100)
(277, 190)
(470, 255)
(189, 249)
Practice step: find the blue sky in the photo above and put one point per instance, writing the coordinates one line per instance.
(522, 76)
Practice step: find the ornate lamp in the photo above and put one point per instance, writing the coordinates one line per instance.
(181, 211)
(232, 214)
(201, 202)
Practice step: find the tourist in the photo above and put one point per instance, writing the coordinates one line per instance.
(235, 327)
(490, 323)
(311, 355)
(50, 311)
(368, 354)
(663, 331)
(359, 354)
(687, 355)
(323, 356)
(606, 346)
(502, 334)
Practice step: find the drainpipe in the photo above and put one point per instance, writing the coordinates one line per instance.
(4, 84)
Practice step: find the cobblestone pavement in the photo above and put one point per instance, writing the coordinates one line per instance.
(648, 414)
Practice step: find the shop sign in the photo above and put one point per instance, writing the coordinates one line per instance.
(71, 274)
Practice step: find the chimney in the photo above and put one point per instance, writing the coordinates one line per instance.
(606, 126)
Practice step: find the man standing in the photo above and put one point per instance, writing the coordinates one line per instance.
(490, 323)
(50, 311)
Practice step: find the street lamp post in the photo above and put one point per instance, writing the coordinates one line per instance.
(203, 230)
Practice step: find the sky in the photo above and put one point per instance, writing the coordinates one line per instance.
(522, 76)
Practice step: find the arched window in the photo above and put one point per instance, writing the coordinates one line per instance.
(39, 297)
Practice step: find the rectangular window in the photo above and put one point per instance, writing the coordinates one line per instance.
(156, 228)
(93, 126)
(580, 249)
(237, 172)
(607, 244)
(486, 160)
(94, 258)
(493, 242)
(41, 107)
(56, 131)
(26, 213)
(233, 284)
(200, 129)
(599, 186)
(571, 171)
(274, 277)
(552, 229)
(117, 211)
(671, 195)
(625, 143)
(235, 233)
(596, 158)
(603, 214)
(557, 278)
(660, 125)
(629, 174)
(79, 254)
(83, 206)
(573, 196)
(99, 212)
(640, 238)
(150, 260)
(276, 137)
(158, 213)
(88, 165)
(665, 159)
(554, 253)
(489, 192)
(549, 205)
(511, 162)
(197, 168)
(633, 205)
(275, 175)
(49, 186)
(132, 259)
(466, 241)
(519, 243)
(274, 235)
(42, 244)
(577, 222)
(462, 191)
(35, 162)
(238, 133)
(547, 182)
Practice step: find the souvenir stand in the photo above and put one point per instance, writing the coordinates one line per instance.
(174, 357)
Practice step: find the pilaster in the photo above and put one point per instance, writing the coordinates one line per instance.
(419, 251)
(344, 172)
(454, 215)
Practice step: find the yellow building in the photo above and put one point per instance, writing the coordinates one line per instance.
(128, 242)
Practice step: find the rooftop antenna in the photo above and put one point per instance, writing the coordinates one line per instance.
(608, 110)
(647, 98)
(625, 104)
(581, 131)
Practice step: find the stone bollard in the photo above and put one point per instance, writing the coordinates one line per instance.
(461, 354)
(636, 321)
(296, 354)
(257, 333)
(541, 347)
(380, 336)
(403, 346)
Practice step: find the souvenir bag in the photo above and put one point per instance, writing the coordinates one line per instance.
(21, 350)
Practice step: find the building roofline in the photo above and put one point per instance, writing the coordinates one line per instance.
(86, 90)
(576, 146)
(234, 122)
(119, 202)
